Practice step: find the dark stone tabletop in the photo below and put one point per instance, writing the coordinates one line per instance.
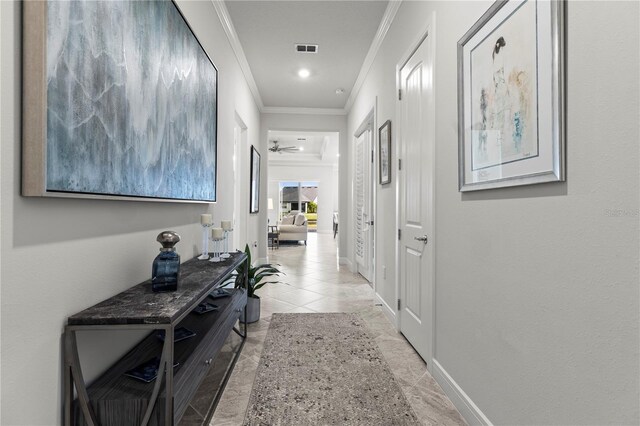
(140, 305)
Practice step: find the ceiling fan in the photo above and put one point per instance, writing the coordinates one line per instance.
(280, 149)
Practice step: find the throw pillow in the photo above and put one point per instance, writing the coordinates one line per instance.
(288, 220)
(300, 220)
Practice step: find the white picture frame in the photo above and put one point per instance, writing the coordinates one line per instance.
(511, 96)
(254, 202)
(384, 152)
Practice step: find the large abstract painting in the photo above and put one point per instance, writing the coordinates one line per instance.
(131, 102)
(511, 96)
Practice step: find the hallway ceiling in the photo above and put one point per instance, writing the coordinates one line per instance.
(268, 31)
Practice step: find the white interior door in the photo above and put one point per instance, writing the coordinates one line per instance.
(416, 199)
(363, 219)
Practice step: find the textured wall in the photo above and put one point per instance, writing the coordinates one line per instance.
(537, 295)
(62, 255)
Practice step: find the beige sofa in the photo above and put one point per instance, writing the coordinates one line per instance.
(293, 227)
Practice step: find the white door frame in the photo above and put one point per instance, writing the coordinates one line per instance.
(427, 35)
(369, 123)
(241, 163)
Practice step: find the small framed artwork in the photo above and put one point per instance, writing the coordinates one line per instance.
(511, 96)
(254, 203)
(384, 152)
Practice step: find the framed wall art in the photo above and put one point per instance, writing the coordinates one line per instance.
(254, 203)
(120, 102)
(384, 152)
(511, 96)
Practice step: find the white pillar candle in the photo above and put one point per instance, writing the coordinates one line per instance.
(226, 224)
(206, 219)
(216, 233)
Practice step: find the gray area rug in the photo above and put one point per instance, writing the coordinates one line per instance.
(324, 369)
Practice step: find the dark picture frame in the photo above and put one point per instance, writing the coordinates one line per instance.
(511, 96)
(92, 136)
(384, 152)
(254, 181)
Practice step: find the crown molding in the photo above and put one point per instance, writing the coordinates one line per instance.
(300, 110)
(385, 24)
(234, 41)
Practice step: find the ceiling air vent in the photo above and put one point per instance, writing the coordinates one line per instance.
(306, 48)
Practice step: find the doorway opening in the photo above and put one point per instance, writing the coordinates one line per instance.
(303, 178)
(364, 199)
(299, 197)
(240, 181)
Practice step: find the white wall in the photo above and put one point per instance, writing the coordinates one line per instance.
(536, 291)
(60, 256)
(274, 193)
(318, 123)
(327, 178)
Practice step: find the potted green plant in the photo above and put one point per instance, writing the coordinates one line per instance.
(256, 275)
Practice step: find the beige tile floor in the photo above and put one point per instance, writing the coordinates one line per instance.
(314, 282)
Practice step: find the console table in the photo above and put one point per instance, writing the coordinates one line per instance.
(115, 399)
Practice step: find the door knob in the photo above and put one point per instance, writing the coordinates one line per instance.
(424, 239)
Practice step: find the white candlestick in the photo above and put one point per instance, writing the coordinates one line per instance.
(206, 219)
(226, 224)
(225, 245)
(217, 233)
(205, 242)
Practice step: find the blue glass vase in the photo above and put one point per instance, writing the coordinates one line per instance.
(165, 273)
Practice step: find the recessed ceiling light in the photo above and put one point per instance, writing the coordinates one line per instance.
(337, 155)
(304, 73)
(301, 148)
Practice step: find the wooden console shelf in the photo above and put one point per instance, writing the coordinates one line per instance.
(116, 399)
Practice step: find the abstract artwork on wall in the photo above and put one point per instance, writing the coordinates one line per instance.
(511, 96)
(120, 102)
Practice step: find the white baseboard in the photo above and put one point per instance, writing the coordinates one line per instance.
(470, 411)
(388, 311)
(346, 261)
